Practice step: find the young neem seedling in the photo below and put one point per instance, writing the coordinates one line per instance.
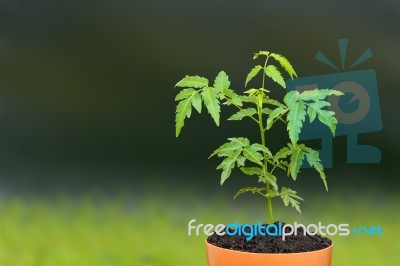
(255, 104)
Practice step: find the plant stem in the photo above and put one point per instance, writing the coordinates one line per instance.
(263, 79)
(265, 165)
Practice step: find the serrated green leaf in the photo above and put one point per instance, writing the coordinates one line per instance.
(327, 118)
(243, 113)
(318, 94)
(266, 111)
(211, 101)
(272, 194)
(315, 107)
(251, 92)
(251, 170)
(290, 197)
(221, 82)
(183, 110)
(249, 189)
(295, 118)
(270, 178)
(313, 158)
(320, 104)
(192, 82)
(285, 64)
(233, 98)
(273, 102)
(283, 153)
(228, 164)
(184, 94)
(274, 115)
(272, 72)
(196, 102)
(314, 161)
(253, 73)
(296, 160)
(251, 153)
(248, 99)
(227, 148)
(225, 175)
(291, 97)
(262, 148)
(240, 161)
(311, 113)
(266, 53)
(323, 177)
(242, 141)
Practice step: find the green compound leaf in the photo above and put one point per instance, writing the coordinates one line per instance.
(221, 82)
(272, 72)
(250, 189)
(243, 113)
(285, 64)
(251, 170)
(296, 160)
(210, 98)
(253, 73)
(192, 82)
(313, 160)
(290, 197)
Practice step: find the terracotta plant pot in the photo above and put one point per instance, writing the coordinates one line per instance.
(217, 256)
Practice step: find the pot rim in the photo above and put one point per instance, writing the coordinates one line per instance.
(269, 254)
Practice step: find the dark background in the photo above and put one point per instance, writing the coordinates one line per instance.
(87, 88)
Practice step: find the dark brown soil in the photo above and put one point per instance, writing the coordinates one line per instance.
(271, 244)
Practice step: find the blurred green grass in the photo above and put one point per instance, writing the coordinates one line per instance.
(96, 230)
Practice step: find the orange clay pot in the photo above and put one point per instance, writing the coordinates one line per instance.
(217, 256)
